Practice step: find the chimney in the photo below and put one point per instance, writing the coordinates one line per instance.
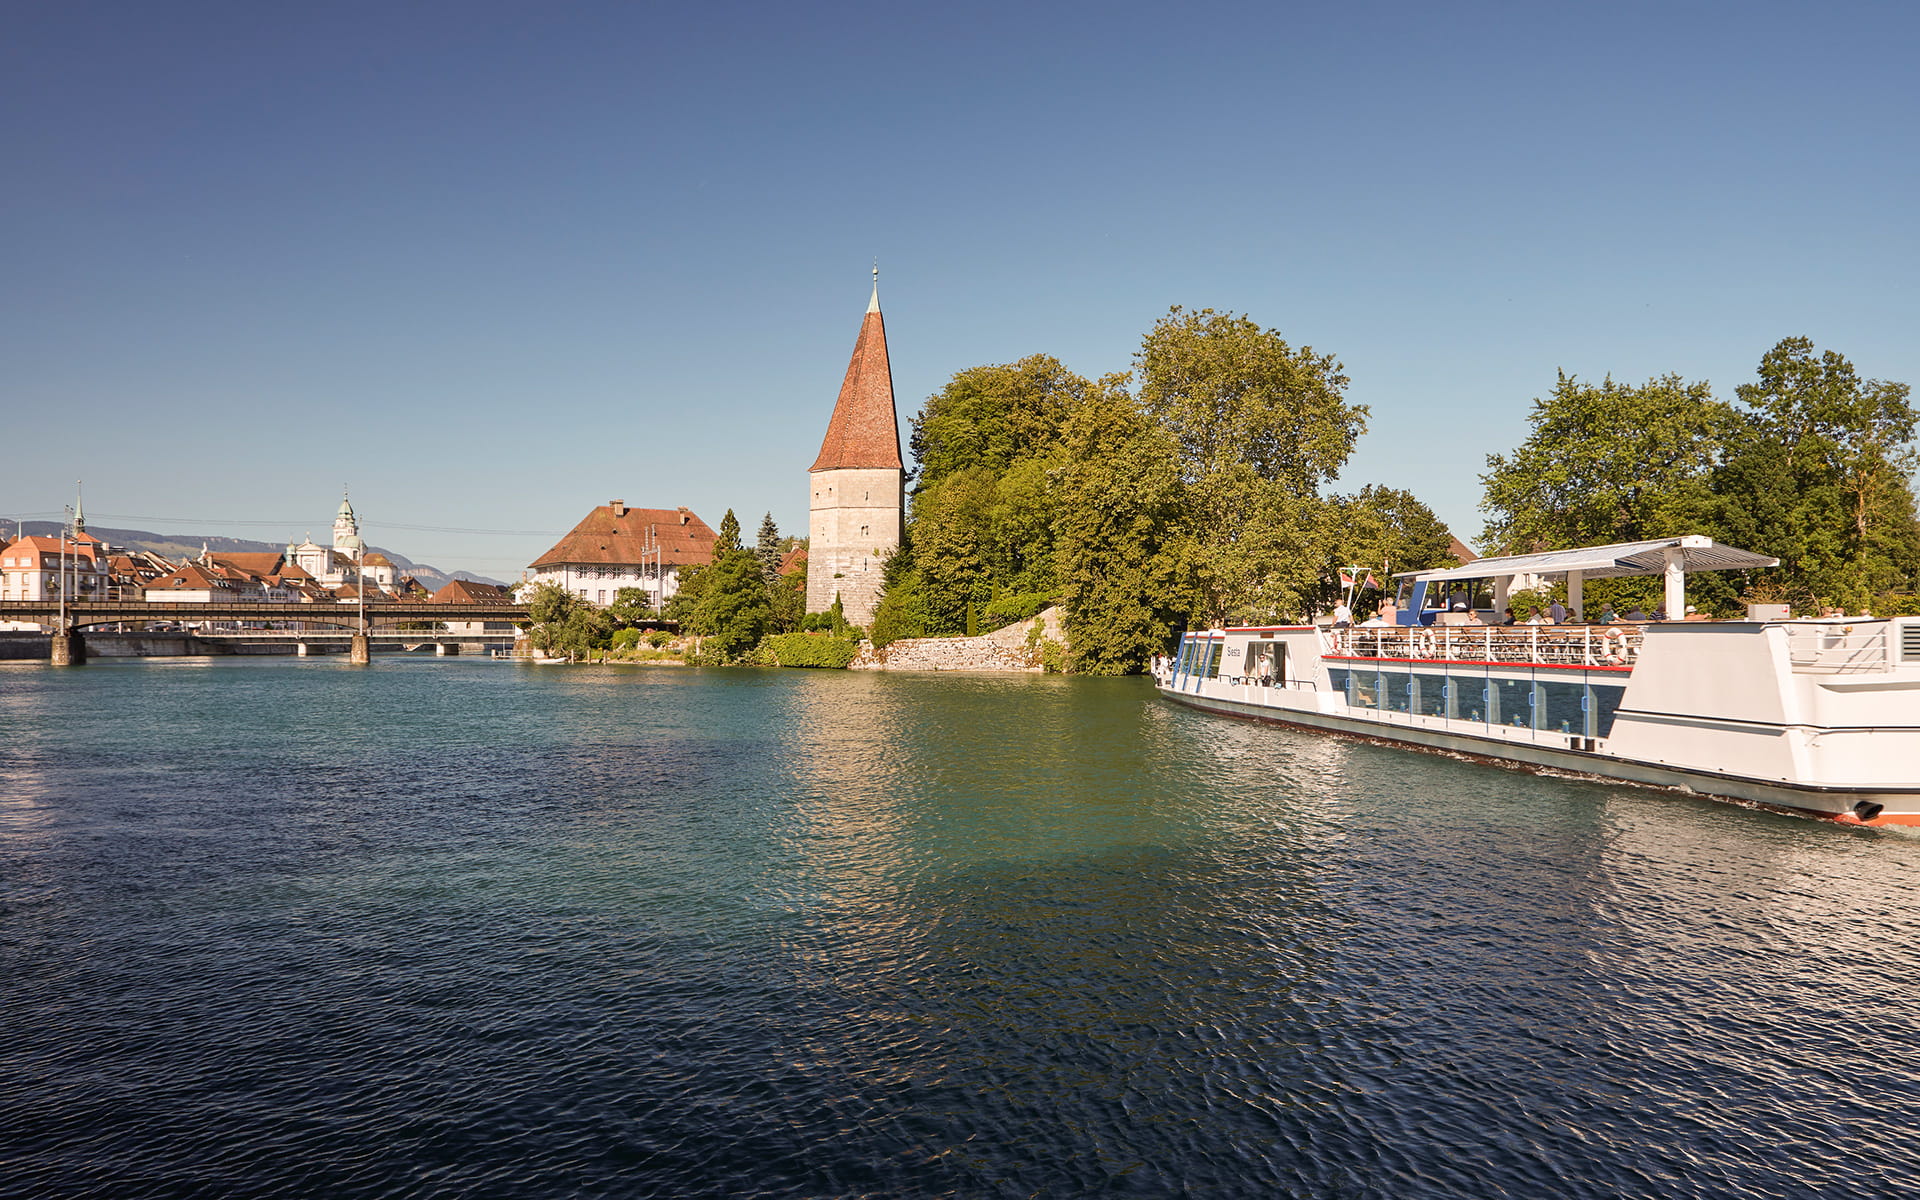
(619, 507)
(685, 516)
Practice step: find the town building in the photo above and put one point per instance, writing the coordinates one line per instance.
(615, 546)
(347, 560)
(469, 591)
(858, 482)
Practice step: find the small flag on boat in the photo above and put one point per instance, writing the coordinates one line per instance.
(1372, 582)
(1346, 580)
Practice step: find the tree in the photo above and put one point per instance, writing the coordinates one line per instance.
(1233, 393)
(728, 539)
(767, 550)
(1817, 474)
(1383, 530)
(734, 609)
(1604, 464)
(631, 606)
(1256, 428)
(1119, 502)
(991, 417)
(563, 622)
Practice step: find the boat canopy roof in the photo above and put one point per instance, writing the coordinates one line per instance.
(1697, 553)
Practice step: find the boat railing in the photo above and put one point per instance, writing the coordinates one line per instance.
(1549, 645)
(1840, 648)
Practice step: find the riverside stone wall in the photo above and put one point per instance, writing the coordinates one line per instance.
(1002, 650)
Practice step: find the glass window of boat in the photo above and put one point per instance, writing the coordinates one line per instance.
(1338, 679)
(1212, 668)
(1605, 702)
(1396, 691)
(1366, 689)
(1467, 697)
(1430, 695)
(1563, 706)
(1512, 703)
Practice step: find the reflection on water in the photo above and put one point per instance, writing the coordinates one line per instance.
(463, 928)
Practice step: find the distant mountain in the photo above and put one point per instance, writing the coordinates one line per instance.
(179, 546)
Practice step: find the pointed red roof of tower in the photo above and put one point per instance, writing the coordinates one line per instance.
(864, 432)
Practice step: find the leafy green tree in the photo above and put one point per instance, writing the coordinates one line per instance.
(1606, 463)
(991, 417)
(1817, 473)
(631, 606)
(1382, 530)
(728, 537)
(1257, 427)
(734, 609)
(1234, 394)
(563, 622)
(1119, 504)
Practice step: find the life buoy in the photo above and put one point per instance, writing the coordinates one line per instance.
(1613, 647)
(1423, 644)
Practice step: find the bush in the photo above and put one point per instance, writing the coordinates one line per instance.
(1008, 607)
(658, 638)
(626, 639)
(810, 650)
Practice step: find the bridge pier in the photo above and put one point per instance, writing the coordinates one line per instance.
(300, 649)
(67, 650)
(360, 654)
(444, 649)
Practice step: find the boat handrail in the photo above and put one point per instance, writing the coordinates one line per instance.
(1615, 645)
(1837, 648)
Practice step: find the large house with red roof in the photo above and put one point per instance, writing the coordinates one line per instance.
(858, 482)
(615, 546)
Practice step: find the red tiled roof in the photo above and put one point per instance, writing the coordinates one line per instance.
(864, 431)
(614, 533)
(253, 564)
(467, 591)
(81, 547)
(795, 560)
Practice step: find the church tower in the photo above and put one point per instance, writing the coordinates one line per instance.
(858, 483)
(346, 529)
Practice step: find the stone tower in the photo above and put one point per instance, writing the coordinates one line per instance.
(346, 529)
(858, 483)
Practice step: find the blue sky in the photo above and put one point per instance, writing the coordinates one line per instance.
(492, 264)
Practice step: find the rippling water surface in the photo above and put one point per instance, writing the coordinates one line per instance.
(458, 928)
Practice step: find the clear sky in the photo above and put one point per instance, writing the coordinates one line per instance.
(492, 264)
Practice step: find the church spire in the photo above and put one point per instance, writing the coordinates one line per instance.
(864, 431)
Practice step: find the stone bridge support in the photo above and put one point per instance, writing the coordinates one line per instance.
(67, 649)
(445, 649)
(360, 654)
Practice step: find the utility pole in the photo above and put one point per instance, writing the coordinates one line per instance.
(650, 557)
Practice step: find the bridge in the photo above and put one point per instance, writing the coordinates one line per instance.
(68, 620)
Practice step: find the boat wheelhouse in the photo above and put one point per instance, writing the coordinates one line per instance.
(1816, 716)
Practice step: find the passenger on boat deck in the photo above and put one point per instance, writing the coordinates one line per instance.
(1534, 617)
(1506, 617)
(1865, 615)
(1608, 616)
(1558, 612)
(1342, 615)
(1389, 613)
(1373, 622)
(1637, 614)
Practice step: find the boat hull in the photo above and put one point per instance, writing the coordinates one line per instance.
(1852, 806)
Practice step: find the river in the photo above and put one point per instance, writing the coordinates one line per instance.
(462, 928)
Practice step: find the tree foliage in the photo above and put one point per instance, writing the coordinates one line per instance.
(727, 539)
(1811, 465)
(733, 611)
(563, 622)
(1817, 473)
(1606, 463)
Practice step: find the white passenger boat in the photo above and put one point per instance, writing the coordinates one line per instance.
(1816, 716)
